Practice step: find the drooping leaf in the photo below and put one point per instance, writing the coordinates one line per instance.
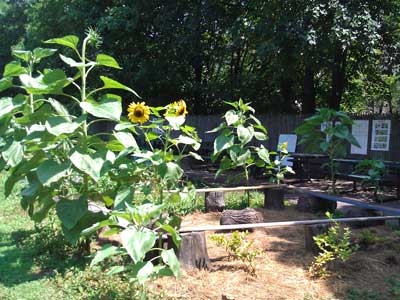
(108, 61)
(137, 243)
(263, 153)
(8, 104)
(170, 172)
(126, 139)
(51, 171)
(59, 125)
(60, 109)
(13, 154)
(23, 54)
(5, 83)
(169, 258)
(108, 108)
(105, 252)
(71, 211)
(94, 165)
(113, 84)
(223, 142)
(124, 195)
(13, 69)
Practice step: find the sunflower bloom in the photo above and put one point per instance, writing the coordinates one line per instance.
(138, 112)
(180, 108)
(284, 146)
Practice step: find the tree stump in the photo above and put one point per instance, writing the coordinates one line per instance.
(214, 201)
(350, 211)
(310, 231)
(243, 216)
(273, 198)
(193, 251)
(307, 203)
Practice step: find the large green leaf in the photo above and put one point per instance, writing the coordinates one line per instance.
(113, 84)
(52, 82)
(40, 53)
(71, 211)
(137, 243)
(8, 104)
(59, 125)
(142, 271)
(245, 134)
(70, 41)
(14, 68)
(45, 203)
(169, 258)
(51, 171)
(186, 140)
(94, 165)
(5, 83)
(14, 153)
(264, 154)
(108, 108)
(23, 54)
(86, 221)
(231, 117)
(108, 61)
(105, 252)
(124, 195)
(60, 109)
(223, 142)
(170, 172)
(126, 139)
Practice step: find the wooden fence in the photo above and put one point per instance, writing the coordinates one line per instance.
(285, 124)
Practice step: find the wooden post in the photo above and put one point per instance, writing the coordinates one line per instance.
(193, 251)
(214, 201)
(310, 231)
(273, 198)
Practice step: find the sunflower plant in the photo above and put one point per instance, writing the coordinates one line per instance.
(49, 143)
(234, 146)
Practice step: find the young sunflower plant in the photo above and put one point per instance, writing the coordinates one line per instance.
(234, 146)
(50, 145)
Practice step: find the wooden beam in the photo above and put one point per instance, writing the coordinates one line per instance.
(281, 224)
(240, 188)
(392, 211)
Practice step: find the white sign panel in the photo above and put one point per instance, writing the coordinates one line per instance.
(360, 132)
(380, 135)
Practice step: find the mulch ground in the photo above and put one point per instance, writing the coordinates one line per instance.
(282, 268)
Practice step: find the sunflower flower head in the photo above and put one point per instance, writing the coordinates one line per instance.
(138, 112)
(178, 108)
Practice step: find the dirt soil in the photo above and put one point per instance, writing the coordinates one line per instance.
(281, 271)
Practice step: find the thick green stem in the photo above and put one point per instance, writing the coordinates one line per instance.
(83, 98)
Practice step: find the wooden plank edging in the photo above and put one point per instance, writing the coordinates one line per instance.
(328, 197)
(281, 224)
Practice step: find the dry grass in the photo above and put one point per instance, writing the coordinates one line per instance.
(282, 268)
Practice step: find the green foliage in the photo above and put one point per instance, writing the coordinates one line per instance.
(239, 248)
(240, 201)
(93, 284)
(232, 145)
(275, 167)
(393, 293)
(334, 245)
(333, 139)
(62, 163)
(375, 170)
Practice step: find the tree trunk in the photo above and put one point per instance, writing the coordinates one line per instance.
(338, 77)
(244, 216)
(214, 201)
(273, 198)
(309, 104)
(310, 231)
(193, 251)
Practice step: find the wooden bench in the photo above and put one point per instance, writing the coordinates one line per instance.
(353, 177)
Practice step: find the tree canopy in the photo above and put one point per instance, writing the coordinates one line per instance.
(284, 56)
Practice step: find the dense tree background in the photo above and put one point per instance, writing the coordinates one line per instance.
(284, 56)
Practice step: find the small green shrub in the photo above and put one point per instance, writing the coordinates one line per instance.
(334, 245)
(393, 293)
(93, 284)
(238, 248)
(368, 237)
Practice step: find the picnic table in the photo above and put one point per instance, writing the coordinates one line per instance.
(393, 166)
